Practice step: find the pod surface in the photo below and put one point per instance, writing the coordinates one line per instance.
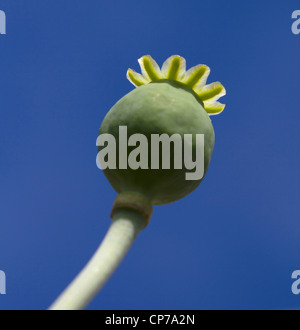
(158, 108)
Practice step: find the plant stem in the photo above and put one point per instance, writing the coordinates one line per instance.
(125, 227)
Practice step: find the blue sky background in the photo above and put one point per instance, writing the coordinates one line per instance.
(234, 242)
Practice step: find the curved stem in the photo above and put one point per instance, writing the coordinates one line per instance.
(125, 227)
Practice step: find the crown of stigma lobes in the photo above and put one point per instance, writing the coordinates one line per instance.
(174, 68)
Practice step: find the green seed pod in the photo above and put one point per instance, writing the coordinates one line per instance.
(168, 106)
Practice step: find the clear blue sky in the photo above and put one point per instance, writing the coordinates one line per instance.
(234, 242)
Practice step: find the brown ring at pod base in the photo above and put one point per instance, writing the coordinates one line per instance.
(135, 202)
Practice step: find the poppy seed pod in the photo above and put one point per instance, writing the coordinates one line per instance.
(154, 146)
(163, 118)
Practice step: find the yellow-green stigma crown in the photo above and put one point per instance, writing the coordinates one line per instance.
(174, 68)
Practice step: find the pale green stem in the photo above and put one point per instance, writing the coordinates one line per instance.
(125, 227)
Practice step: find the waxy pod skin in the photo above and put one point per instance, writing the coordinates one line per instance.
(168, 101)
